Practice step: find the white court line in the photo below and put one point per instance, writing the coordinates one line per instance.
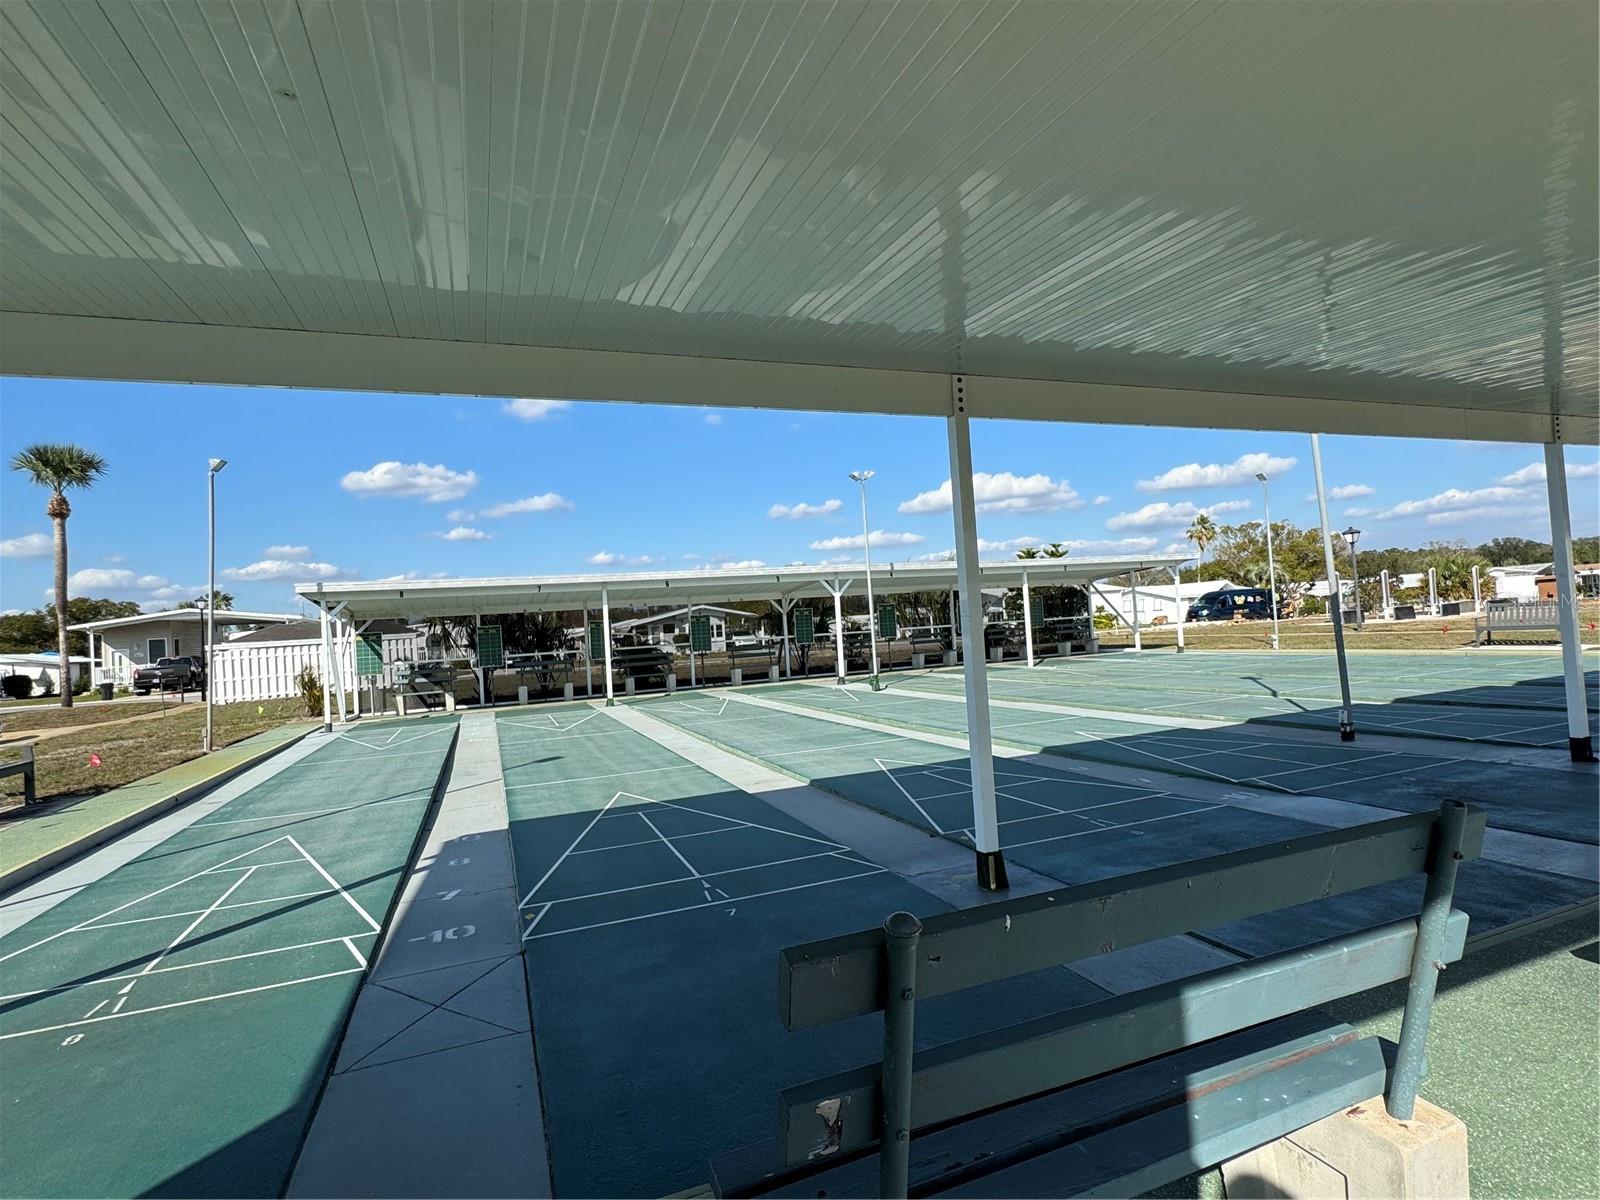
(1161, 758)
(1107, 829)
(313, 812)
(139, 1012)
(776, 754)
(345, 762)
(915, 802)
(173, 916)
(699, 878)
(534, 924)
(747, 824)
(351, 946)
(523, 903)
(416, 737)
(676, 853)
(612, 775)
(677, 837)
(710, 904)
(336, 885)
(186, 966)
(138, 900)
(187, 930)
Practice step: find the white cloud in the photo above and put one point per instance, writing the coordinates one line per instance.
(116, 558)
(287, 552)
(1455, 498)
(932, 557)
(1495, 512)
(605, 558)
(1163, 515)
(10, 612)
(400, 480)
(1241, 470)
(1017, 543)
(1099, 500)
(879, 538)
(29, 545)
(545, 502)
(118, 581)
(1359, 512)
(741, 564)
(281, 568)
(1534, 472)
(1002, 492)
(713, 418)
(1127, 545)
(535, 409)
(1345, 491)
(463, 533)
(460, 514)
(799, 512)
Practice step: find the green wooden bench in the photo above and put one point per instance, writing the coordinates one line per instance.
(1125, 1094)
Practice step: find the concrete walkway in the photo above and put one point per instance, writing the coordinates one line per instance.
(43, 836)
(435, 1090)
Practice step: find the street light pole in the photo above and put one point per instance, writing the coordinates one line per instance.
(861, 477)
(215, 465)
(1350, 535)
(1272, 566)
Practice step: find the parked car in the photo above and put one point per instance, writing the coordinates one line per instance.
(1251, 604)
(170, 675)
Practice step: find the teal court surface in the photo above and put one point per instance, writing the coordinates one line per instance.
(662, 853)
(1495, 697)
(180, 1012)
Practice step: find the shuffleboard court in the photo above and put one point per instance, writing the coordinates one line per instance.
(166, 1030)
(655, 899)
(1137, 692)
(1077, 828)
(1561, 806)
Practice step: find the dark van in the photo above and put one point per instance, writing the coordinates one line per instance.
(1252, 604)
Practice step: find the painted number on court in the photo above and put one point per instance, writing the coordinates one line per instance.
(454, 933)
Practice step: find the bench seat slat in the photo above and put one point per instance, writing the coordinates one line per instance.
(836, 978)
(1006, 1138)
(1006, 1065)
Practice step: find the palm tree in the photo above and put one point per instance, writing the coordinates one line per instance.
(1028, 552)
(59, 467)
(1202, 532)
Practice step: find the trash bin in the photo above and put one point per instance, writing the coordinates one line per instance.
(106, 690)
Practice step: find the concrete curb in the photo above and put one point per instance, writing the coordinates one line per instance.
(16, 876)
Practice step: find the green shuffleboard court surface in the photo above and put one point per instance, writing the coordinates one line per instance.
(1076, 827)
(1561, 806)
(655, 898)
(166, 1030)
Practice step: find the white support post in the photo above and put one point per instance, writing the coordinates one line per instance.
(338, 661)
(588, 663)
(477, 667)
(954, 624)
(1027, 617)
(1433, 592)
(1579, 741)
(985, 817)
(327, 667)
(1177, 598)
(688, 621)
(783, 607)
(837, 590)
(1347, 727)
(1383, 587)
(1133, 580)
(1477, 590)
(605, 635)
(94, 664)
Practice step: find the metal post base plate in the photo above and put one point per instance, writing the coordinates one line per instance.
(992, 871)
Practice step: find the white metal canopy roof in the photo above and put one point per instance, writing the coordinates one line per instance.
(225, 616)
(1354, 218)
(559, 593)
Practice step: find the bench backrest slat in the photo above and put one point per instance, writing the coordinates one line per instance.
(842, 977)
(997, 1067)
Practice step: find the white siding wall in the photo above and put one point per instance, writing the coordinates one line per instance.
(267, 670)
(125, 650)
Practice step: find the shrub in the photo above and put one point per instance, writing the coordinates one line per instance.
(80, 685)
(1104, 620)
(310, 685)
(1311, 606)
(16, 687)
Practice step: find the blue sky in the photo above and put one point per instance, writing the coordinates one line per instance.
(355, 485)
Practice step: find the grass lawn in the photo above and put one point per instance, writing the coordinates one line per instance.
(1316, 633)
(56, 717)
(139, 748)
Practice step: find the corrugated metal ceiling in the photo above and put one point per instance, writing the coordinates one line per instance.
(1386, 202)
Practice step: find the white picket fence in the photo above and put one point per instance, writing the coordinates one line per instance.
(268, 670)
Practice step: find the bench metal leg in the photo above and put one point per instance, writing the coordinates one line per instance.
(1426, 961)
(901, 934)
